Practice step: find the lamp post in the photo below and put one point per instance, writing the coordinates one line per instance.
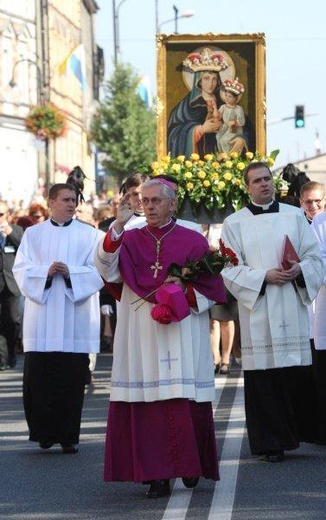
(40, 89)
(185, 14)
(116, 34)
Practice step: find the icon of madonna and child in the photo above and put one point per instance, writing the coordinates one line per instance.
(209, 119)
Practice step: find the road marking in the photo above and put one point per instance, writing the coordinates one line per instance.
(223, 499)
(180, 498)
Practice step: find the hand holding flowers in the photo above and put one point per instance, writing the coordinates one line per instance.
(213, 262)
(171, 300)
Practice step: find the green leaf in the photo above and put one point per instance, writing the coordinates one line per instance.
(274, 154)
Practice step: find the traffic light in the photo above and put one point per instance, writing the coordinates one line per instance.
(299, 116)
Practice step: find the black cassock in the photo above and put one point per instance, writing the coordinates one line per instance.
(53, 394)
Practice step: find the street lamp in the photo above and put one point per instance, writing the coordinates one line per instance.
(40, 90)
(186, 14)
(116, 35)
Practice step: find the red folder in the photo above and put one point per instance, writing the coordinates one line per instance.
(289, 253)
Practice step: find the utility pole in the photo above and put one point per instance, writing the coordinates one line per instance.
(176, 12)
(42, 47)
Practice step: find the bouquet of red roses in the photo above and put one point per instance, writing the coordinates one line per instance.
(172, 303)
(212, 263)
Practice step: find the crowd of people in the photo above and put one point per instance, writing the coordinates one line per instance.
(108, 272)
(14, 220)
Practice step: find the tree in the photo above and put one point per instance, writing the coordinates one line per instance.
(123, 128)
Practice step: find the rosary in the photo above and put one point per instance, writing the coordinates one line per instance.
(156, 267)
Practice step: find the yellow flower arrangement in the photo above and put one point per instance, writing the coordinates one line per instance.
(216, 182)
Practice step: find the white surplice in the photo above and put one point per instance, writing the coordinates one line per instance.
(274, 325)
(152, 361)
(318, 225)
(59, 318)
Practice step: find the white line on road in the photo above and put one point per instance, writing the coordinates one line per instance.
(223, 499)
(180, 498)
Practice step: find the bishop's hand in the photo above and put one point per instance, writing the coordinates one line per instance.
(124, 213)
(176, 280)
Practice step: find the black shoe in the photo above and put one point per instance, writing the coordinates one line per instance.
(217, 368)
(190, 482)
(12, 363)
(3, 367)
(45, 445)
(159, 488)
(274, 456)
(69, 449)
(106, 345)
(89, 377)
(225, 369)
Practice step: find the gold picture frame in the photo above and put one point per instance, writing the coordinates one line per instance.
(245, 54)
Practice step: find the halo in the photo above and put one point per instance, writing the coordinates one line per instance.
(229, 72)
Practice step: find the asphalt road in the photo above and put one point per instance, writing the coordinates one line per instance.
(39, 485)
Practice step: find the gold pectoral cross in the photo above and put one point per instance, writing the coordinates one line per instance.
(156, 268)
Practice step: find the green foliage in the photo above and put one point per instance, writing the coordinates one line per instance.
(123, 128)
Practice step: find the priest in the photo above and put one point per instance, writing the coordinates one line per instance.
(54, 269)
(273, 312)
(160, 421)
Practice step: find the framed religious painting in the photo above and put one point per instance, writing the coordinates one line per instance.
(211, 94)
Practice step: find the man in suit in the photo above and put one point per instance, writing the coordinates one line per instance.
(10, 315)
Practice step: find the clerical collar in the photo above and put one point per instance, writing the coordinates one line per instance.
(309, 219)
(263, 206)
(158, 231)
(167, 224)
(257, 209)
(61, 225)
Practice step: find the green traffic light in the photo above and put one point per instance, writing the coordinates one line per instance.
(299, 116)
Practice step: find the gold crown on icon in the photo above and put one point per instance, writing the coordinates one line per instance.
(234, 86)
(206, 60)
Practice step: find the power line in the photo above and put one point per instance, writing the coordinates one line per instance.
(275, 121)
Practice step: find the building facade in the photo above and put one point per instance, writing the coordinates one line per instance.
(48, 54)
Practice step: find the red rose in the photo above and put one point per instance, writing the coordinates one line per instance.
(161, 313)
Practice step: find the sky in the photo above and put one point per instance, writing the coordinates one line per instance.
(295, 55)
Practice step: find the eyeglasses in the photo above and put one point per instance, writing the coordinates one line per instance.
(311, 202)
(154, 200)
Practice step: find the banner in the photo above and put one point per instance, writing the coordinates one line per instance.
(75, 63)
